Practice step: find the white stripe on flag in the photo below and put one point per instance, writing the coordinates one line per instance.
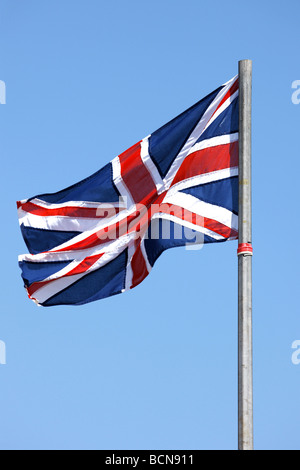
(199, 129)
(190, 225)
(204, 209)
(202, 179)
(150, 165)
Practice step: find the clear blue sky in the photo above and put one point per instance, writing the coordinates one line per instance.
(154, 368)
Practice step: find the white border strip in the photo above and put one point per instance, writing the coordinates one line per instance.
(150, 165)
(121, 186)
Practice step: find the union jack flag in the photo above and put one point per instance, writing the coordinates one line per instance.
(102, 236)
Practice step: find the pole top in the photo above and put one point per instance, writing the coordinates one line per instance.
(245, 67)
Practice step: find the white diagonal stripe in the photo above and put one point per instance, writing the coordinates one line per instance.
(217, 175)
(58, 282)
(199, 129)
(222, 108)
(204, 209)
(190, 225)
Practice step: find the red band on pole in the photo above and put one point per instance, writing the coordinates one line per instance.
(245, 249)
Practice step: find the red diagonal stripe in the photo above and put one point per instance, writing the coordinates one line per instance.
(79, 269)
(230, 92)
(208, 160)
(234, 87)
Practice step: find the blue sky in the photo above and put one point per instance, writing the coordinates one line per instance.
(154, 368)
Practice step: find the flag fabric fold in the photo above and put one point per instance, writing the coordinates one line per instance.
(102, 236)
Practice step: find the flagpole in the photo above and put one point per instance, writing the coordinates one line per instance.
(245, 383)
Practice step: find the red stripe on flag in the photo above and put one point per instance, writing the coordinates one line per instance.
(208, 160)
(230, 92)
(70, 211)
(136, 176)
(79, 269)
(139, 268)
(219, 228)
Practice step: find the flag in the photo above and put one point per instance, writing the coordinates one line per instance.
(102, 236)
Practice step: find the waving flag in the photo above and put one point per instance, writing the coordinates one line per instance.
(103, 235)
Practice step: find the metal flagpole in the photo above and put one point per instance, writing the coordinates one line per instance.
(245, 384)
